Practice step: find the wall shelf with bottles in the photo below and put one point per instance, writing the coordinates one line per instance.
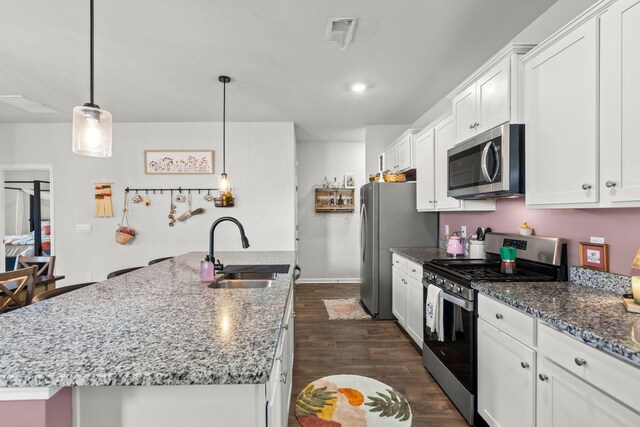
(335, 200)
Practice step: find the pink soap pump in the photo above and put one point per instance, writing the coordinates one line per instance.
(207, 272)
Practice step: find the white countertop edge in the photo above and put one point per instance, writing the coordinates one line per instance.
(28, 393)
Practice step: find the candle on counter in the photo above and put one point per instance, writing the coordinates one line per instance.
(635, 288)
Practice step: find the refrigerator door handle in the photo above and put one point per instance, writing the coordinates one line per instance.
(363, 230)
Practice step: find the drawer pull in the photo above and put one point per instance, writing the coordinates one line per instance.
(286, 327)
(499, 316)
(524, 365)
(580, 362)
(543, 377)
(413, 269)
(283, 378)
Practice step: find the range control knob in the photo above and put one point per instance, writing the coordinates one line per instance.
(439, 281)
(450, 286)
(458, 290)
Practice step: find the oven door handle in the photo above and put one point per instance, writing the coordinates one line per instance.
(467, 305)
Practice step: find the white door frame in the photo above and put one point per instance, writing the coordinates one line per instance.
(13, 167)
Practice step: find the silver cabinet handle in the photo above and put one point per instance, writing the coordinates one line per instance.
(397, 262)
(610, 184)
(499, 316)
(283, 376)
(524, 365)
(579, 361)
(293, 314)
(543, 377)
(286, 327)
(470, 126)
(586, 187)
(413, 269)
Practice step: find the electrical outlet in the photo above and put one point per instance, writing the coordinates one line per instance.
(446, 229)
(463, 231)
(599, 240)
(89, 277)
(83, 228)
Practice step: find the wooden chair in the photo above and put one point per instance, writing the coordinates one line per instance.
(16, 288)
(157, 260)
(46, 265)
(59, 291)
(121, 272)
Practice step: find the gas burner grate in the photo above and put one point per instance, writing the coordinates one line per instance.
(492, 273)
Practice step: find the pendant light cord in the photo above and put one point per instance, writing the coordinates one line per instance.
(91, 52)
(224, 126)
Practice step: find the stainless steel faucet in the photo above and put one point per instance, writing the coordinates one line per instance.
(243, 238)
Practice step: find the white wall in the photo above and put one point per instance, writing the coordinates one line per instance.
(260, 161)
(377, 139)
(329, 242)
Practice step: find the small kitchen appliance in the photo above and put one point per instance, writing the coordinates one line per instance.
(452, 362)
(455, 245)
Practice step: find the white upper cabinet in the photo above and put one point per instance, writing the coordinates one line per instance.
(400, 156)
(490, 96)
(561, 114)
(425, 178)
(620, 104)
(432, 172)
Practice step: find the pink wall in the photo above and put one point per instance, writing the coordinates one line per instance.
(55, 412)
(620, 227)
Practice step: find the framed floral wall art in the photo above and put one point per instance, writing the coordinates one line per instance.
(178, 162)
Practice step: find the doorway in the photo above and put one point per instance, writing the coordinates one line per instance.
(26, 202)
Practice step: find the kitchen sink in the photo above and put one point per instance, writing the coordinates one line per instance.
(244, 281)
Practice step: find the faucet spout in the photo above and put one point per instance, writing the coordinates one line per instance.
(243, 238)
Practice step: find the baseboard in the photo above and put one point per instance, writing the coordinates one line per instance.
(325, 280)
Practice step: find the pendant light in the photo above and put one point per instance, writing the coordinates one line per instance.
(91, 125)
(224, 183)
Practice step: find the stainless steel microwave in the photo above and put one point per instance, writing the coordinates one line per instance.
(489, 165)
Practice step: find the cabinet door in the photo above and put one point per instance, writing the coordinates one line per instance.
(561, 117)
(464, 114)
(425, 178)
(391, 158)
(275, 396)
(493, 97)
(398, 295)
(415, 308)
(444, 140)
(506, 379)
(404, 153)
(620, 102)
(563, 400)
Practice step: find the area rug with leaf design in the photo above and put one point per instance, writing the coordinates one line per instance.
(351, 401)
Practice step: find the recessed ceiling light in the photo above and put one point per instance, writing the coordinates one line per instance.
(358, 87)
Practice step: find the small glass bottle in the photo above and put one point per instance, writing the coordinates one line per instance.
(207, 272)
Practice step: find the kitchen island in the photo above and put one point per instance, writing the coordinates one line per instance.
(157, 347)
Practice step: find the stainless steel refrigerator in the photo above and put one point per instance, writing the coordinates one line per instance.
(388, 219)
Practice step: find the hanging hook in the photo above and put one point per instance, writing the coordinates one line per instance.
(161, 191)
(208, 192)
(180, 190)
(146, 191)
(189, 191)
(198, 191)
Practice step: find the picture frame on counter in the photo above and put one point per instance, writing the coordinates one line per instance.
(179, 162)
(594, 256)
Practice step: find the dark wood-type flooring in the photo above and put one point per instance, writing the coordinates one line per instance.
(375, 349)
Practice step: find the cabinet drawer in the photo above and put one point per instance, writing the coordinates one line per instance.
(519, 325)
(609, 374)
(399, 262)
(414, 270)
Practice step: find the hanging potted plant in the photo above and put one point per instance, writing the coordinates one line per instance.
(125, 233)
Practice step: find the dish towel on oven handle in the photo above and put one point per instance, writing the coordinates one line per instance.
(433, 311)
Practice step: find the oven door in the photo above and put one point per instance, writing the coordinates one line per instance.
(456, 352)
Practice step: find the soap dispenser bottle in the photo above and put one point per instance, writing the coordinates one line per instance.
(207, 272)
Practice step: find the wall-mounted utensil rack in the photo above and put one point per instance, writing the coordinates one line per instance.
(179, 190)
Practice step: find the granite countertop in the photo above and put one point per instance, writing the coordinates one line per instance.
(420, 255)
(156, 326)
(593, 316)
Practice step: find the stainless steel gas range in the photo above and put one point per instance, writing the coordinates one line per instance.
(451, 359)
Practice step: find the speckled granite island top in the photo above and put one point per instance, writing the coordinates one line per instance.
(595, 317)
(420, 255)
(156, 326)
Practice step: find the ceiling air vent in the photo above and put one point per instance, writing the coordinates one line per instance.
(340, 30)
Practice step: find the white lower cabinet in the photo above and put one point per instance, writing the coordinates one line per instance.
(564, 401)
(399, 295)
(407, 297)
(506, 379)
(558, 382)
(414, 317)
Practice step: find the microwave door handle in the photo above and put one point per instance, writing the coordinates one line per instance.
(485, 156)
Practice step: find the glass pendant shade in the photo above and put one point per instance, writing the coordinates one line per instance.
(224, 183)
(92, 131)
